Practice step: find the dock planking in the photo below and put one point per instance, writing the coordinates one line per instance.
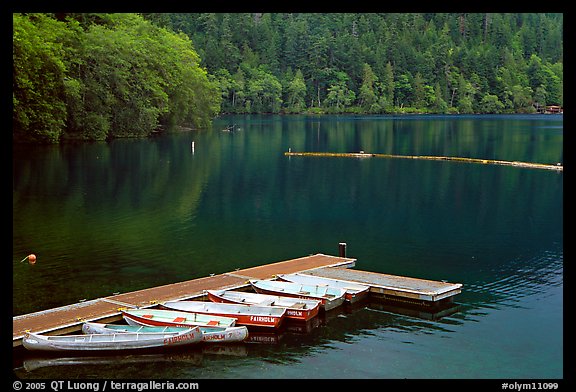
(415, 289)
(69, 318)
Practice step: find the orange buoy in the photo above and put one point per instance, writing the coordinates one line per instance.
(32, 258)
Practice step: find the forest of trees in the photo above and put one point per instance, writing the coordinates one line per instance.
(105, 76)
(101, 76)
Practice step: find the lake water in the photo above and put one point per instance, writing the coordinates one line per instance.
(130, 214)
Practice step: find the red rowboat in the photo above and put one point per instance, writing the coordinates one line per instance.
(296, 308)
(160, 317)
(251, 316)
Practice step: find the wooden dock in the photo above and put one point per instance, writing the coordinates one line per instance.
(362, 154)
(69, 318)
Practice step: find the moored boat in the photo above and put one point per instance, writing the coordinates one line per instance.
(209, 334)
(164, 317)
(111, 342)
(354, 291)
(329, 297)
(252, 316)
(296, 308)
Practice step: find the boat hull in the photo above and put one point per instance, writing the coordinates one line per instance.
(157, 317)
(325, 304)
(111, 342)
(292, 312)
(209, 334)
(228, 335)
(329, 297)
(356, 297)
(354, 292)
(250, 316)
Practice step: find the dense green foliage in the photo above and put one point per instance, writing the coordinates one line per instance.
(104, 76)
(379, 63)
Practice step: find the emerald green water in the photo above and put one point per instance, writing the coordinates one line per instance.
(121, 216)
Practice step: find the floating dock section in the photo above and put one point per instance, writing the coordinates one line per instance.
(69, 318)
(398, 288)
(362, 154)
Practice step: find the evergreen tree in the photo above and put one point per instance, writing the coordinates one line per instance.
(367, 95)
(297, 93)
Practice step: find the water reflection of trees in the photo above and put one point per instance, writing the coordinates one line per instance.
(150, 212)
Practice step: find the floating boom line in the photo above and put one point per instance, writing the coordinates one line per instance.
(557, 167)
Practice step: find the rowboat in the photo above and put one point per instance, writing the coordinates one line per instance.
(329, 297)
(112, 341)
(163, 317)
(209, 334)
(296, 308)
(354, 291)
(254, 316)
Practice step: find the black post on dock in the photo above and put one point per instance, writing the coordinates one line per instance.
(342, 249)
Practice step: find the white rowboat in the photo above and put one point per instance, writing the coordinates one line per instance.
(209, 334)
(111, 342)
(329, 297)
(354, 291)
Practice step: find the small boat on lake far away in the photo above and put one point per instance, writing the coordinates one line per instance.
(164, 317)
(252, 316)
(209, 334)
(113, 341)
(329, 297)
(354, 291)
(296, 308)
